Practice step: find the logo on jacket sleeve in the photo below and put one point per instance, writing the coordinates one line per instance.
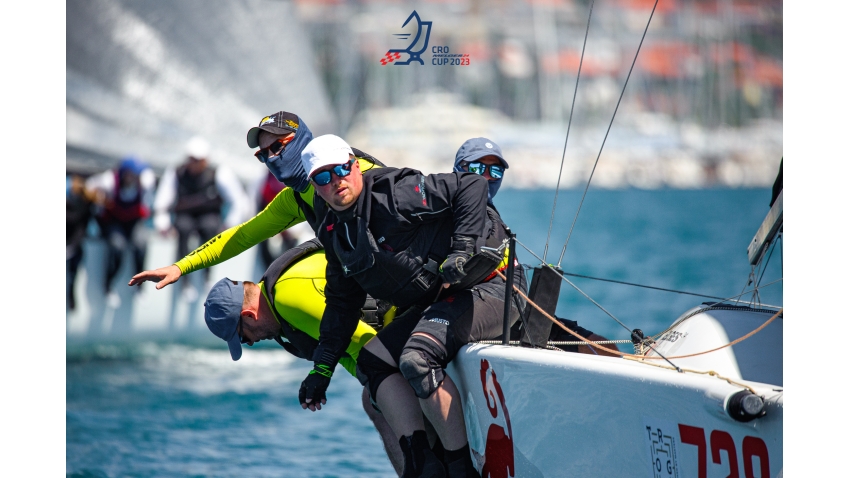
(420, 188)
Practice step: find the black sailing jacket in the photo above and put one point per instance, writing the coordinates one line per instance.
(382, 244)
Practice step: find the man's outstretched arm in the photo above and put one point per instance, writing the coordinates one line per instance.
(282, 213)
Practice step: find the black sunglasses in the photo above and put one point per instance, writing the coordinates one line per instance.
(274, 148)
(324, 177)
(496, 170)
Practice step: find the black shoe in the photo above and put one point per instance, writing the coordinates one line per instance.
(419, 460)
(461, 465)
(433, 467)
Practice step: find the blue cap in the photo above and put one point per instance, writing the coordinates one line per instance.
(477, 148)
(222, 311)
(132, 164)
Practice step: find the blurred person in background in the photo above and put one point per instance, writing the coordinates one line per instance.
(78, 212)
(198, 198)
(264, 191)
(123, 198)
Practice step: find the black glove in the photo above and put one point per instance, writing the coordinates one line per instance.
(452, 268)
(315, 385)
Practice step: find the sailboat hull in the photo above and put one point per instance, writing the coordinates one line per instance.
(532, 412)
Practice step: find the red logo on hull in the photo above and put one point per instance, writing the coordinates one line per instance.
(499, 450)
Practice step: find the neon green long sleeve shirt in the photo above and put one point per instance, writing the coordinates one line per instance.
(281, 213)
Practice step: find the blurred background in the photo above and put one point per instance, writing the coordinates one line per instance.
(156, 89)
(703, 106)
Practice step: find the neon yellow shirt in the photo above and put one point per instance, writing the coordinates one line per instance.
(280, 214)
(299, 297)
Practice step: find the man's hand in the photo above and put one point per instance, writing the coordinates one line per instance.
(313, 388)
(165, 275)
(452, 268)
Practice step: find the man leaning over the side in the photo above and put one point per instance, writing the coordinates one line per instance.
(404, 237)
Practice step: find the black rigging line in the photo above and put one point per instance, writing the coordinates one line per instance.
(564, 250)
(644, 286)
(569, 123)
(609, 314)
(597, 304)
(767, 262)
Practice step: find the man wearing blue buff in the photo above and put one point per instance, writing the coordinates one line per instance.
(484, 157)
(281, 137)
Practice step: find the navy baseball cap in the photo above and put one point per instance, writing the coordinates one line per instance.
(222, 311)
(477, 148)
(281, 122)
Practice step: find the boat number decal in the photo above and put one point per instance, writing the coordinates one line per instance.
(672, 336)
(661, 438)
(499, 450)
(724, 452)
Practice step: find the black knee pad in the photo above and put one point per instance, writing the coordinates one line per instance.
(371, 371)
(422, 362)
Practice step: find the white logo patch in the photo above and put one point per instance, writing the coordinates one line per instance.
(489, 145)
(440, 321)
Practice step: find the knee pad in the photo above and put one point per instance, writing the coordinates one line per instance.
(421, 363)
(371, 371)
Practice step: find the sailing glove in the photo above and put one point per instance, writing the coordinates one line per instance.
(315, 385)
(452, 268)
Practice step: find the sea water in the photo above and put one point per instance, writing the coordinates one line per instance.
(180, 408)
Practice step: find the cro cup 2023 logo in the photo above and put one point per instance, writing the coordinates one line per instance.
(413, 53)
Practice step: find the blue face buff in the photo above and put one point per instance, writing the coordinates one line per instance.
(492, 186)
(286, 166)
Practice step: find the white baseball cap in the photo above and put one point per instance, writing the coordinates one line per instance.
(323, 151)
(198, 148)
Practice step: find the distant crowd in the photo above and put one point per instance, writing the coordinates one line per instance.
(192, 202)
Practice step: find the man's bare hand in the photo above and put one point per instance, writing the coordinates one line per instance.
(165, 275)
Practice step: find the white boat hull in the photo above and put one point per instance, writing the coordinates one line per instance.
(569, 414)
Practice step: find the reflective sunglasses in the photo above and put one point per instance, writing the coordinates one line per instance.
(274, 149)
(496, 170)
(324, 177)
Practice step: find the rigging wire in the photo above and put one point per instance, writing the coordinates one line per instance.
(576, 288)
(569, 123)
(767, 261)
(641, 285)
(564, 250)
(763, 267)
(631, 283)
(743, 292)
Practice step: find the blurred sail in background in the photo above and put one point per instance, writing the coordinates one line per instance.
(144, 77)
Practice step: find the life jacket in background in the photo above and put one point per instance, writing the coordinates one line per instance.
(124, 208)
(77, 214)
(271, 187)
(197, 194)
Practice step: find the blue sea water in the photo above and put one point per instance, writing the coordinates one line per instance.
(185, 409)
